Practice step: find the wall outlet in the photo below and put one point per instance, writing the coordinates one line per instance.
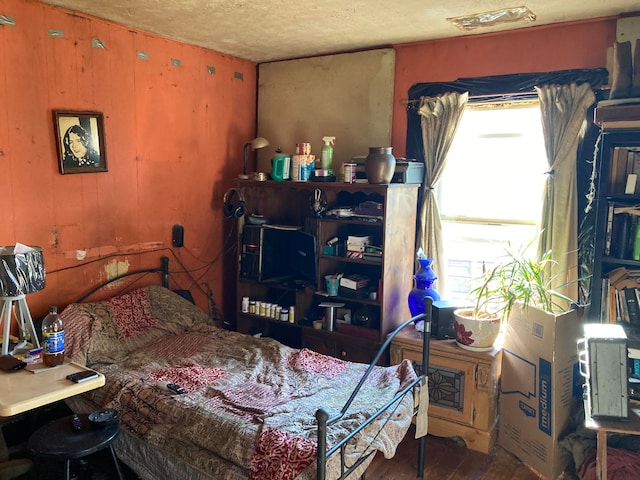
(177, 236)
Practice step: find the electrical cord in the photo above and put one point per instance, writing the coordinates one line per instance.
(225, 249)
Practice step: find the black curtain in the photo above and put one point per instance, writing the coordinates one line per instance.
(496, 87)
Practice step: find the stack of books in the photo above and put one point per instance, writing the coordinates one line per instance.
(356, 245)
(354, 285)
(373, 253)
(620, 301)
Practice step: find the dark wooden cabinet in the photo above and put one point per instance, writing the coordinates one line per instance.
(342, 346)
(291, 204)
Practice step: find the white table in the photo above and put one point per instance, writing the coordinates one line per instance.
(24, 390)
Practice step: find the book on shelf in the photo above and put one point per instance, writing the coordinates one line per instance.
(373, 253)
(620, 229)
(623, 170)
(609, 230)
(355, 281)
(618, 169)
(620, 293)
(358, 239)
(625, 235)
(630, 187)
(633, 307)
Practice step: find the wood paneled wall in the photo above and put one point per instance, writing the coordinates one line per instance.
(175, 124)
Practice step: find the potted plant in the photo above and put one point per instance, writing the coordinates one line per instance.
(515, 279)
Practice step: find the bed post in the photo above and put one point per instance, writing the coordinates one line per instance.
(426, 337)
(321, 455)
(164, 266)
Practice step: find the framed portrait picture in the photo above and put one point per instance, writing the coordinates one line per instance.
(80, 141)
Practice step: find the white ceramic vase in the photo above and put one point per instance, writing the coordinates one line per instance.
(476, 334)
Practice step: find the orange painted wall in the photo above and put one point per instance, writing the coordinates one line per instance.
(174, 137)
(537, 49)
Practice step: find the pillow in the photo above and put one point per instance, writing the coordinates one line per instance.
(130, 313)
(127, 322)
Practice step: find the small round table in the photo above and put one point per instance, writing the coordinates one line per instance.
(58, 440)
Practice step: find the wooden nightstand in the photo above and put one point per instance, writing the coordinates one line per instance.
(463, 388)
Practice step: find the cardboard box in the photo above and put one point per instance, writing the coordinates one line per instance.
(541, 386)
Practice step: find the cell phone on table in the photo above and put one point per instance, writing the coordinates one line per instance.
(82, 376)
(9, 363)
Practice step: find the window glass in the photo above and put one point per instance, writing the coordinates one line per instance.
(491, 189)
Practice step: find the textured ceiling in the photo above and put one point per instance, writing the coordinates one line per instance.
(268, 30)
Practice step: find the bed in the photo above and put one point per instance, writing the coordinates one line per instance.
(252, 409)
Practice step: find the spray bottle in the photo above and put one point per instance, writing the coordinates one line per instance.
(327, 153)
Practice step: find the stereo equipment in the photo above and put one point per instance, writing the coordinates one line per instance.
(602, 355)
(442, 320)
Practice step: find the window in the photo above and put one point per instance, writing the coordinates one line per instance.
(491, 189)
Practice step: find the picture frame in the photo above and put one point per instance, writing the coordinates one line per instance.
(80, 141)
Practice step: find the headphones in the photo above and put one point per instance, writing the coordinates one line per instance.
(234, 209)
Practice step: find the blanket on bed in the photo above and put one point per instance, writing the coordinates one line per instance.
(248, 401)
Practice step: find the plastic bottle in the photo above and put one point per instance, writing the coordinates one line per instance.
(52, 339)
(327, 153)
(280, 165)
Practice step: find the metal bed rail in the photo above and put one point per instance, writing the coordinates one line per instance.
(163, 269)
(324, 420)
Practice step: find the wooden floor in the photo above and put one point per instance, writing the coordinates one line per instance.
(447, 459)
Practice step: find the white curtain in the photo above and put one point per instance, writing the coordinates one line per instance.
(439, 118)
(563, 110)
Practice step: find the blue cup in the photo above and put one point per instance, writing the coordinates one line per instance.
(332, 285)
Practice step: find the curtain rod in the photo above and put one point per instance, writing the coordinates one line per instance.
(406, 101)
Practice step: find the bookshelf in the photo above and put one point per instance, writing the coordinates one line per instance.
(616, 268)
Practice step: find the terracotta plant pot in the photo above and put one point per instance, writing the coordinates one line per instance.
(476, 334)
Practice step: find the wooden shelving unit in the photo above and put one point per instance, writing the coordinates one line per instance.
(289, 203)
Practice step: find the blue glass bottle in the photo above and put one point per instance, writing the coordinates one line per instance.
(424, 280)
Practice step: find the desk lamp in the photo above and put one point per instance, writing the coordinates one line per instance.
(21, 272)
(255, 144)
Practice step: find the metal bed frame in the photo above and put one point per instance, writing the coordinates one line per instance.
(322, 416)
(324, 421)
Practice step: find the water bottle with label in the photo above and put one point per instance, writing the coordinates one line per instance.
(52, 339)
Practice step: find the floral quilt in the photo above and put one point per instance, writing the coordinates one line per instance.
(249, 405)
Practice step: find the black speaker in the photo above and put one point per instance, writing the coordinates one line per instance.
(442, 319)
(234, 204)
